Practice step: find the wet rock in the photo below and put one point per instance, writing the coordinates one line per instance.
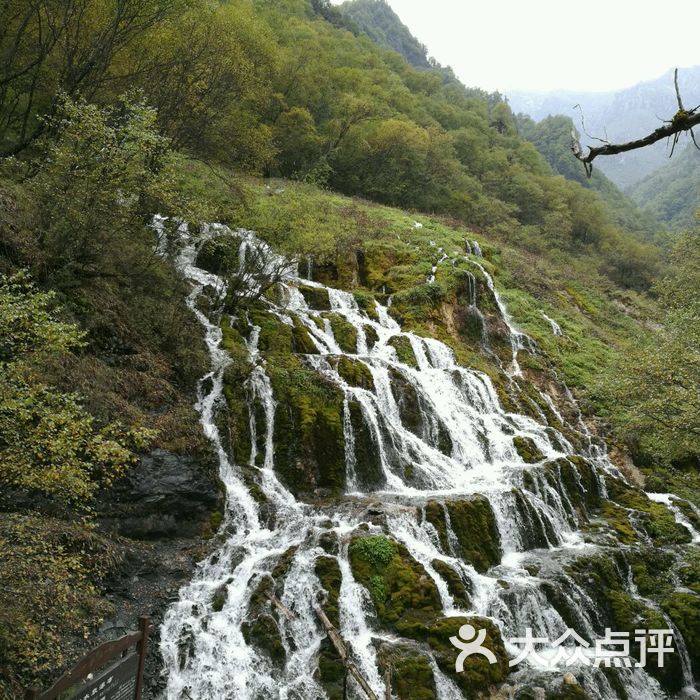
(410, 671)
(164, 495)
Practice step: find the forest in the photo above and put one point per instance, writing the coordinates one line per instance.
(286, 117)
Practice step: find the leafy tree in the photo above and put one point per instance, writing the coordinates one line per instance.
(49, 444)
(53, 47)
(97, 182)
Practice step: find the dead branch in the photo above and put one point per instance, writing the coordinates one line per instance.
(683, 120)
(343, 651)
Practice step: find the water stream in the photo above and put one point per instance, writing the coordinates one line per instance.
(460, 444)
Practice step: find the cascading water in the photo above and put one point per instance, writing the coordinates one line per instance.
(458, 443)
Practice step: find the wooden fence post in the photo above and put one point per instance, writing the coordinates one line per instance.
(145, 628)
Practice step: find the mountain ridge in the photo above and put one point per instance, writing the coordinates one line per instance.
(617, 116)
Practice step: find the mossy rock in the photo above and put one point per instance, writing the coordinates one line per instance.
(219, 598)
(275, 336)
(366, 302)
(403, 594)
(263, 633)
(407, 401)
(476, 531)
(412, 675)
(455, 585)
(301, 339)
(657, 520)
(526, 448)
(478, 674)
(315, 297)
(587, 480)
(603, 577)
(616, 517)
(219, 254)
(689, 571)
(536, 530)
(652, 570)
(684, 609)
(331, 671)
(688, 511)
(371, 335)
(368, 466)
(344, 332)
(434, 513)
(561, 600)
(404, 351)
(355, 372)
(309, 442)
(328, 571)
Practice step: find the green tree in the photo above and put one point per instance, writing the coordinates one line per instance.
(49, 444)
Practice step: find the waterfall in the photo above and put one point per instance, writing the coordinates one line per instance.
(518, 340)
(440, 435)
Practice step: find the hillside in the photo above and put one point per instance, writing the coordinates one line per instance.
(672, 193)
(618, 116)
(300, 342)
(552, 138)
(381, 24)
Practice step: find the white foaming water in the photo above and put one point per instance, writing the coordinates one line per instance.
(556, 328)
(458, 441)
(681, 518)
(518, 340)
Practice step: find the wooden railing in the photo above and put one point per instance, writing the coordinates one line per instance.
(95, 678)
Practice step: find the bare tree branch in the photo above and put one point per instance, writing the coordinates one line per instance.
(683, 120)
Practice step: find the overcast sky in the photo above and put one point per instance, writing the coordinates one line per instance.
(551, 44)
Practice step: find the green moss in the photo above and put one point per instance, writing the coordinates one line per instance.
(407, 401)
(656, 519)
(536, 529)
(371, 335)
(478, 674)
(367, 303)
(328, 571)
(264, 633)
(404, 351)
(684, 609)
(368, 465)
(526, 448)
(434, 512)
(309, 440)
(403, 595)
(316, 297)
(455, 584)
(301, 339)
(344, 332)
(411, 673)
(587, 481)
(219, 599)
(355, 372)
(476, 531)
(616, 517)
(331, 671)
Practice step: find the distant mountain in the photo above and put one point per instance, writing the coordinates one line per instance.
(376, 19)
(618, 116)
(552, 138)
(672, 193)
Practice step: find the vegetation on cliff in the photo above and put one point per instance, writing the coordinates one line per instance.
(179, 108)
